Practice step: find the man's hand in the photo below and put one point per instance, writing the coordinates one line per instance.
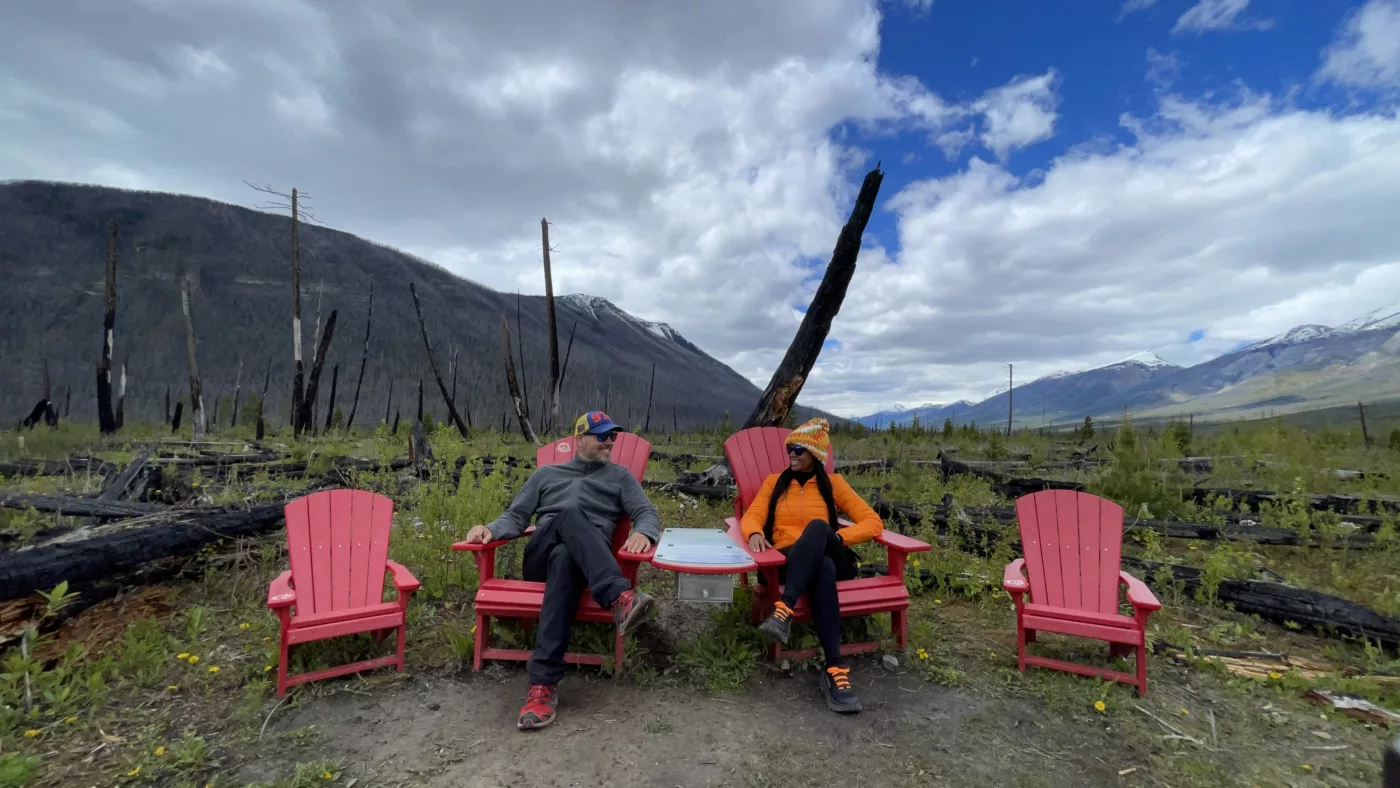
(636, 543)
(758, 543)
(479, 534)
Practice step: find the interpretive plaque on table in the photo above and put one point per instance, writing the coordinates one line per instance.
(699, 547)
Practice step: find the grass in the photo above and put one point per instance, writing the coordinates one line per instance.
(178, 694)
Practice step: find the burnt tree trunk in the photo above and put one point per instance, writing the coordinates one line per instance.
(513, 386)
(330, 403)
(646, 426)
(389, 401)
(167, 404)
(364, 359)
(237, 393)
(196, 395)
(308, 400)
(262, 398)
(778, 399)
(437, 374)
(524, 371)
(419, 416)
(179, 411)
(554, 379)
(106, 419)
(121, 398)
(297, 371)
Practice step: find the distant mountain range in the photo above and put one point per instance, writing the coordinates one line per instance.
(1307, 367)
(53, 245)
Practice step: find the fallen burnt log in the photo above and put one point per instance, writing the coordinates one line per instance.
(76, 507)
(1280, 603)
(41, 568)
(1006, 486)
(15, 614)
(56, 467)
(1323, 502)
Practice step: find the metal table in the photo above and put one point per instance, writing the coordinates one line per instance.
(705, 561)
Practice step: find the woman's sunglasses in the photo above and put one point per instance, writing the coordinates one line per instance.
(796, 451)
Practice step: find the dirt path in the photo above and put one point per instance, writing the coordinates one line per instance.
(457, 729)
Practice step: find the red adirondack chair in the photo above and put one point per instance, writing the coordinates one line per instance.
(1073, 542)
(753, 455)
(338, 542)
(500, 598)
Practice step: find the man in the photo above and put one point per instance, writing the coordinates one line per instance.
(577, 504)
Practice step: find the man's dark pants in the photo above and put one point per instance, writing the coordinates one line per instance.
(568, 553)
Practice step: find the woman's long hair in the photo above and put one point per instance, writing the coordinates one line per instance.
(781, 488)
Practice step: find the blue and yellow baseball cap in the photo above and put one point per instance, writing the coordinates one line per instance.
(594, 422)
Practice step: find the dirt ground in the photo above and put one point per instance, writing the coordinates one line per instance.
(458, 729)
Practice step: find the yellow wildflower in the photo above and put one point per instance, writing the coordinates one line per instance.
(172, 687)
(267, 668)
(326, 775)
(922, 654)
(1099, 705)
(1184, 711)
(134, 772)
(160, 751)
(1275, 675)
(213, 668)
(182, 655)
(70, 720)
(1307, 768)
(245, 625)
(194, 658)
(31, 733)
(938, 601)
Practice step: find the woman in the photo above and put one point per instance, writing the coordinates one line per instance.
(805, 529)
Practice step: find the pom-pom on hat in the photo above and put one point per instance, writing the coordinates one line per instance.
(812, 436)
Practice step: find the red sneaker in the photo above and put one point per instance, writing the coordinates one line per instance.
(630, 609)
(538, 710)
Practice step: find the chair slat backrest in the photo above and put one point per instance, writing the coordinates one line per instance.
(755, 454)
(1073, 546)
(338, 542)
(629, 450)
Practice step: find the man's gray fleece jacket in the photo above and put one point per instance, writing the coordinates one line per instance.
(603, 491)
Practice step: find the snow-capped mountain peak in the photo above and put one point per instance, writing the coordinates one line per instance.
(596, 306)
(1382, 317)
(1301, 333)
(1144, 358)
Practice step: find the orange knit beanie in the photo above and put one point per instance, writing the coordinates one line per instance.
(812, 436)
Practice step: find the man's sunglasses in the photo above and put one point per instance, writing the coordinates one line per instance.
(796, 451)
(607, 437)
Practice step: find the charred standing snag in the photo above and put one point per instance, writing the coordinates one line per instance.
(437, 373)
(778, 399)
(106, 419)
(513, 386)
(308, 400)
(196, 395)
(364, 359)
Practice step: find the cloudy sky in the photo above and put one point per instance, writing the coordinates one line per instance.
(1066, 183)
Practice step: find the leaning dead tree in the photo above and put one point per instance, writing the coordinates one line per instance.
(777, 400)
(513, 386)
(364, 359)
(121, 398)
(437, 374)
(106, 419)
(554, 379)
(196, 396)
(237, 392)
(304, 416)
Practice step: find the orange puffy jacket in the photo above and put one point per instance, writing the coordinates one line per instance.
(797, 508)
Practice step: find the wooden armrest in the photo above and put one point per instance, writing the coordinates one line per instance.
(901, 543)
(280, 593)
(403, 579)
(1139, 595)
(643, 557)
(1014, 581)
(491, 545)
(764, 559)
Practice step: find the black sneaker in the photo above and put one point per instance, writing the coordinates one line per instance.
(630, 609)
(836, 686)
(778, 626)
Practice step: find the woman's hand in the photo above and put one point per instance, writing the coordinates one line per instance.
(757, 543)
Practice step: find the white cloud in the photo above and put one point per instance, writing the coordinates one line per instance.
(1019, 113)
(1162, 69)
(1132, 6)
(1367, 51)
(1208, 15)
